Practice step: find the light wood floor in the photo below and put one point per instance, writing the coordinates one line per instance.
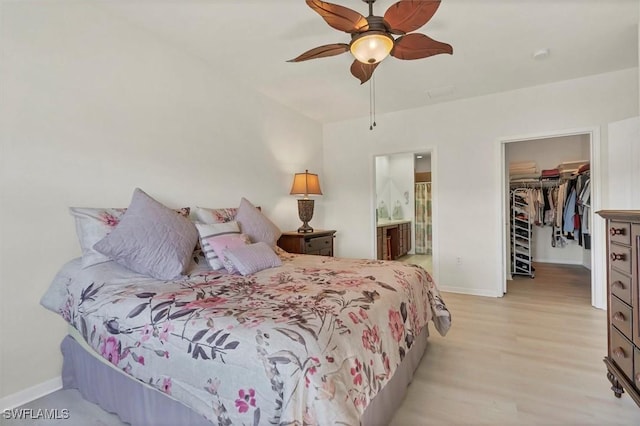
(531, 357)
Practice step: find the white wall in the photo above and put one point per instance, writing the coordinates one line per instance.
(423, 164)
(383, 185)
(394, 176)
(92, 107)
(624, 157)
(465, 135)
(548, 154)
(402, 177)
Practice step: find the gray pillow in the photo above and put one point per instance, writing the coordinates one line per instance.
(252, 258)
(256, 225)
(151, 239)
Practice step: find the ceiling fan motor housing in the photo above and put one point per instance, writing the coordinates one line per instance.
(368, 46)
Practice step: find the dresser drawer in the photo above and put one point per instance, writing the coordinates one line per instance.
(318, 242)
(621, 286)
(318, 245)
(620, 258)
(620, 232)
(621, 352)
(621, 316)
(636, 363)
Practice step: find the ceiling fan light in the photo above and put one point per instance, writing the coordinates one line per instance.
(371, 48)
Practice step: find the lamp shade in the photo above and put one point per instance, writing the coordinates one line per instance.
(372, 47)
(306, 184)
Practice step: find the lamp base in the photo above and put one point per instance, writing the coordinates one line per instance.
(305, 213)
(305, 228)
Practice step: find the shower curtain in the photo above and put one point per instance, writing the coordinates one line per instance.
(423, 218)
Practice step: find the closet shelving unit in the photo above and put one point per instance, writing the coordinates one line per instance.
(521, 235)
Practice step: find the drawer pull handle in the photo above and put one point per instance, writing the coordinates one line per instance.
(619, 352)
(616, 256)
(617, 231)
(618, 285)
(619, 316)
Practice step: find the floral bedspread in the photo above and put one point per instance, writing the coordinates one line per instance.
(310, 342)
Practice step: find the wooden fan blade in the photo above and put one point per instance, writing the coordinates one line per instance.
(322, 52)
(340, 17)
(362, 71)
(418, 46)
(409, 15)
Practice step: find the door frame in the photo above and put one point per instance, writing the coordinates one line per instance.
(432, 151)
(598, 261)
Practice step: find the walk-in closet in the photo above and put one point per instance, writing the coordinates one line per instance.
(549, 213)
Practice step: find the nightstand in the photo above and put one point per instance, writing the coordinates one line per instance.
(318, 242)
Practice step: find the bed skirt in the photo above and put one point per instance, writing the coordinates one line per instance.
(139, 404)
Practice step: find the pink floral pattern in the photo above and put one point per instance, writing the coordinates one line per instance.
(273, 347)
(245, 400)
(396, 325)
(110, 350)
(109, 219)
(371, 339)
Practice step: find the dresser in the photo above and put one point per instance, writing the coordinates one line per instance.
(623, 298)
(318, 242)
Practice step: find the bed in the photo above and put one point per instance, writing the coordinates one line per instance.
(298, 340)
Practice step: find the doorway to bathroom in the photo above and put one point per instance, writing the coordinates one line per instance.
(404, 195)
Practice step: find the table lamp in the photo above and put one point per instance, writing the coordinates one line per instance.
(305, 184)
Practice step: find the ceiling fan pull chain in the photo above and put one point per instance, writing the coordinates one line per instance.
(373, 83)
(372, 103)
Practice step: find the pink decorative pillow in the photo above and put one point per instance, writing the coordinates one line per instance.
(223, 242)
(252, 258)
(210, 230)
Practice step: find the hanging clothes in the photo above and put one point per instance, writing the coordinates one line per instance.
(569, 212)
(560, 198)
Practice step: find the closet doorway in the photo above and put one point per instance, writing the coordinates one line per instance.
(403, 200)
(548, 211)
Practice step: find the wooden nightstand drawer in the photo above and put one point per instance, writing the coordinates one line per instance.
(621, 352)
(621, 316)
(620, 232)
(319, 244)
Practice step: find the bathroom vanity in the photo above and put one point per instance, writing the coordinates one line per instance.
(394, 238)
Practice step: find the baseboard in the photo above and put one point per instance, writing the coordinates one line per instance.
(559, 262)
(470, 292)
(30, 394)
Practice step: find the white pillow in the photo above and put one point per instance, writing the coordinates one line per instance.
(206, 215)
(92, 225)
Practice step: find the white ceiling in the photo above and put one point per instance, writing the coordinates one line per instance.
(493, 40)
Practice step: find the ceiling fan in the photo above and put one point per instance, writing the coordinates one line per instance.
(372, 37)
